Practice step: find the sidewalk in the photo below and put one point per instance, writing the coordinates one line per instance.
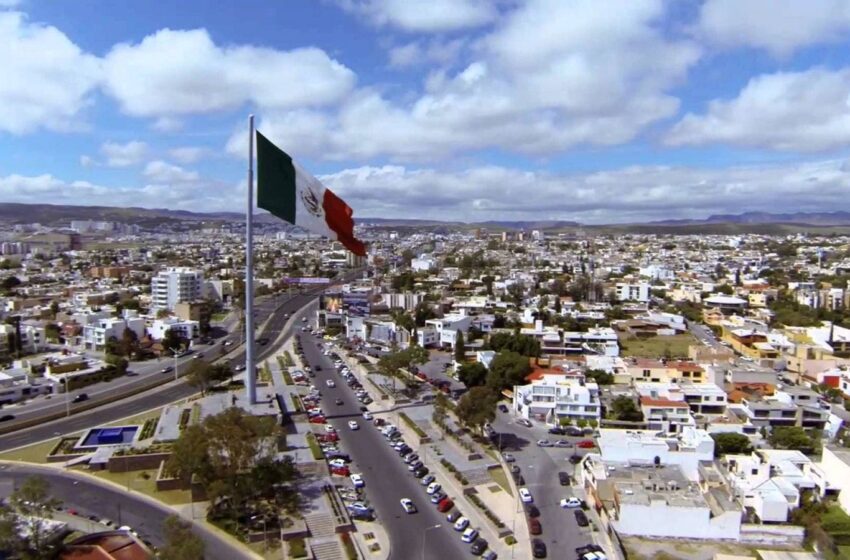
(372, 539)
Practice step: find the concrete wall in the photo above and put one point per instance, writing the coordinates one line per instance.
(660, 520)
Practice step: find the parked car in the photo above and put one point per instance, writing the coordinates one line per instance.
(524, 422)
(437, 497)
(564, 478)
(531, 510)
(357, 480)
(534, 526)
(478, 547)
(503, 407)
(445, 505)
(341, 471)
(538, 548)
(461, 524)
(557, 430)
(581, 518)
(420, 472)
(433, 488)
(508, 457)
(525, 496)
(469, 535)
(426, 480)
(544, 443)
(586, 444)
(454, 516)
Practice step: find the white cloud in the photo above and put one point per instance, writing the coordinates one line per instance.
(162, 172)
(124, 155)
(149, 80)
(45, 79)
(10, 3)
(618, 196)
(434, 51)
(777, 26)
(552, 76)
(424, 17)
(631, 194)
(167, 124)
(797, 111)
(188, 154)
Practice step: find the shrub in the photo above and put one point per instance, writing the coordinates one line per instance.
(407, 420)
(510, 540)
(315, 449)
(297, 548)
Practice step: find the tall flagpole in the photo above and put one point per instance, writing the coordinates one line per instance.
(250, 370)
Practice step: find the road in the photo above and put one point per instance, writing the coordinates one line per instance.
(93, 497)
(704, 334)
(540, 466)
(140, 373)
(148, 400)
(386, 475)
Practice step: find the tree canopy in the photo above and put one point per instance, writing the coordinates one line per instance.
(508, 369)
(514, 342)
(731, 443)
(477, 407)
(625, 409)
(180, 542)
(27, 506)
(472, 375)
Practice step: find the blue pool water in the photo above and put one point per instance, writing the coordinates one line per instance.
(109, 436)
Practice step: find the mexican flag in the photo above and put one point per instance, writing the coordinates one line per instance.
(293, 195)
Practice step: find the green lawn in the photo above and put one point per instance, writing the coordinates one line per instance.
(498, 475)
(657, 347)
(136, 480)
(35, 453)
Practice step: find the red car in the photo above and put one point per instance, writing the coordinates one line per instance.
(341, 471)
(445, 505)
(422, 376)
(318, 420)
(534, 526)
(586, 444)
(328, 438)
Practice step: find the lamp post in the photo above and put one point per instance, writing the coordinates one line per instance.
(425, 537)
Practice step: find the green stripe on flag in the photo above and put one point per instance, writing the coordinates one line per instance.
(275, 180)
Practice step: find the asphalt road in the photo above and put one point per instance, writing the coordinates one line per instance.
(140, 373)
(386, 475)
(540, 466)
(145, 516)
(148, 400)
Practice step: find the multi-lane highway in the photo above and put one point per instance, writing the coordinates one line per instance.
(153, 398)
(386, 475)
(94, 497)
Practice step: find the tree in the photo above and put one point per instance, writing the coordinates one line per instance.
(441, 405)
(52, 332)
(477, 407)
(557, 306)
(180, 542)
(515, 342)
(9, 284)
(472, 375)
(731, 443)
(625, 409)
(488, 283)
(460, 347)
(171, 341)
(199, 376)
(791, 437)
(422, 312)
(600, 376)
(507, 369)
(32, 503)
(129, 343)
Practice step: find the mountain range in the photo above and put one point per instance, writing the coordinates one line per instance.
(56, 215)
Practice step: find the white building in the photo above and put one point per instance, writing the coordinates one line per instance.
(176, 285)
(15, 384)
(632, 292)
(553, 396)
(448, 326)
(96, 335)
(835, 464)
(664, 407)
(189, 330)
(423, 264)
(645, 447)
(407, 300)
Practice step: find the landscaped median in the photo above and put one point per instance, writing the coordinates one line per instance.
(315, 449)
(423, 437)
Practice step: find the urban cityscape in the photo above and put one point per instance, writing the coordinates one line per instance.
(570, 280)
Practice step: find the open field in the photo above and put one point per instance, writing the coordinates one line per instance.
(657, 347)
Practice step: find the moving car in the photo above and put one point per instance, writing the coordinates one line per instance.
(80, 398)
(353, 425)
(367, 416)
(469, 535)
(330, 383)
(524, 422)
(508, 457)
(571, 502)
(407, 505)
(168, 369)
(525, 496)
(339, 402)
(7, 417)
(544, 443)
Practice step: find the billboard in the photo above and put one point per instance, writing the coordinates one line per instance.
(354, 304)
(307, 280)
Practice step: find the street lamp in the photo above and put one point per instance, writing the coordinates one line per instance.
(425, 536)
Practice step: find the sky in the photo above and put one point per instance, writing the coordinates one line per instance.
(593, 111)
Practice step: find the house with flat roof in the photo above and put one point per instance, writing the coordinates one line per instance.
(554, 394)
(647, 447)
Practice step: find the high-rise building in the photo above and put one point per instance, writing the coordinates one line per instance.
(176, 285)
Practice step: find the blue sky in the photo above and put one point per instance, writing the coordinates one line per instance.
(627, 110)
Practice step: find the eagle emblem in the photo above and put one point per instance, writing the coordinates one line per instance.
(311, 202)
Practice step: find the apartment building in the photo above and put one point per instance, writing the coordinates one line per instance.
(96, 335)
(665, 371)
(448, 326)
(176, 285)
(554, 394)
(407, 300)
(632, 292)
(188, 330)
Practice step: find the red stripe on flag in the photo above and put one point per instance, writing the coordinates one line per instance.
(338, 216)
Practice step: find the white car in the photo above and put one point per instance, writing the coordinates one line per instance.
(353, 425)
(336, 463)
(461, 524)
(330, 383)
(407, 505)
(525, 496)
(433, 487)
(329, 429)
(469, 535)
(357, 480)
(572, 502)
(367, 415)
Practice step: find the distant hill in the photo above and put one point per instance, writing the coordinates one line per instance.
(755, 222)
